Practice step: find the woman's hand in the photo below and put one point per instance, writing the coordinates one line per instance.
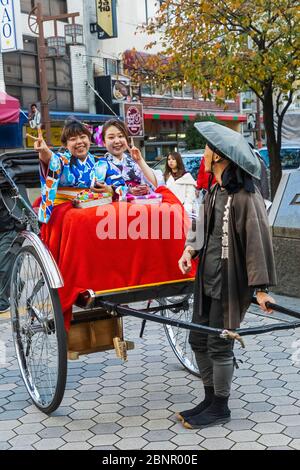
(135, 152)
(140, 190)
(100, 188)
(41, 147)
(185, 262)
(262, 298)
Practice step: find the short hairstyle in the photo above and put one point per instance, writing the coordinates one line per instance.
(119, 125)
(72, 128)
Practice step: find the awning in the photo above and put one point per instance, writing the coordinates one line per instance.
(183, 115)
(9, 109)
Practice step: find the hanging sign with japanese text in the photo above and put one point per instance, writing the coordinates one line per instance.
(106, 19)
(10, 26)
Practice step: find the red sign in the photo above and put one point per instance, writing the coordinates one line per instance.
(134, 117)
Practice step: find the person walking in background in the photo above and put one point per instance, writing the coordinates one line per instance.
(180, 182)
(204, 180)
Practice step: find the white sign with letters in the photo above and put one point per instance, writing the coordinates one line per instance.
(10, 26)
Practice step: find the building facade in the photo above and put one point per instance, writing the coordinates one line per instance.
(82, 82)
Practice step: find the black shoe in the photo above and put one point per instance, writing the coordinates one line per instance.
(209, 394)
(217, 413)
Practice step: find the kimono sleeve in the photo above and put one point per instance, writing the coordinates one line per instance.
(257, 242)
(49, 178)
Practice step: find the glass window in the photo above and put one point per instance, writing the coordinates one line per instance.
(177, 92)
(12, 67)
(14, 91)
(188, 91)
(30, 45)
(60, 100)
(50, 73)
(21, 68)
(247, 100)
(29, 96)
(146, 89)
(29, 69)
(64, 100)
(50, 7)
(112, 67)
(58, 7)
(26, 6)
(63, 74)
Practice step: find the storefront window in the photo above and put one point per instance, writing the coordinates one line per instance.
(22, 78)
(50, 7)
(112, 67)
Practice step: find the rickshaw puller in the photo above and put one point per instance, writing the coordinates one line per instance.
(235, 260)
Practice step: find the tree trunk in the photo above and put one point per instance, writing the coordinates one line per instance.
(272, 144)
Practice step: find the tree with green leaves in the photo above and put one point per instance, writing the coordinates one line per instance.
(230, 46)
(192, 138)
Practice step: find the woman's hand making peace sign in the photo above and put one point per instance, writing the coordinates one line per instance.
(41, 147)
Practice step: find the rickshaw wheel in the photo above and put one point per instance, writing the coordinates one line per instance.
(38, 331)
(179, 337)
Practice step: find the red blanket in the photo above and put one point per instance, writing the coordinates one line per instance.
(87, 262)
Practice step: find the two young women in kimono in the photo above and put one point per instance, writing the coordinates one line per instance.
(77, 167)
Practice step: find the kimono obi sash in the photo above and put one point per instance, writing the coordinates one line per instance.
(66, 194)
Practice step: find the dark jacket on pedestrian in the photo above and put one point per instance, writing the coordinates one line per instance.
(247, 254)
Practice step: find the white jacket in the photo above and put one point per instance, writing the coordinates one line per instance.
(184, 189)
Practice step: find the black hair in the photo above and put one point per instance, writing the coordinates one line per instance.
(72, 128)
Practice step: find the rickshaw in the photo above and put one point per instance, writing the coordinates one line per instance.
(42, 346)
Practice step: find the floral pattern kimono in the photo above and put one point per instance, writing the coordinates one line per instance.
(65, 171)
(129, 170)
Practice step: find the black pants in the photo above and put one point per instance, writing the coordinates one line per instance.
(214, 355)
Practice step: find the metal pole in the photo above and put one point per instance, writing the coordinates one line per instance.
(42, 54)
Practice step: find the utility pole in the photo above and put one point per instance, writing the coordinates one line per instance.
(36, 22)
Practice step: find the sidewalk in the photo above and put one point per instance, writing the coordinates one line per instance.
(111, 405)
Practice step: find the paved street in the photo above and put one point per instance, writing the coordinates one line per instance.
(111, 405)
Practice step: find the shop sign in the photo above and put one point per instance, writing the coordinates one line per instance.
(55, 136)
(10, 26)
(124, 91)
(106, 25)
(120, 87)
(134, 118)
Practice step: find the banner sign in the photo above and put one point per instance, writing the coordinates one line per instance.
(134, 118)
(106, 19)
(11, 38)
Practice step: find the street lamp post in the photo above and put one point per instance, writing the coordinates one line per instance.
(36, 22)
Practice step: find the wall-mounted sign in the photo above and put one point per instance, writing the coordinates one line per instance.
(120, 87)
(106, 25)
(134, 118)
(10, 26)
(122, 90)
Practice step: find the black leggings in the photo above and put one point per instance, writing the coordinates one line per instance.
(214, 355)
